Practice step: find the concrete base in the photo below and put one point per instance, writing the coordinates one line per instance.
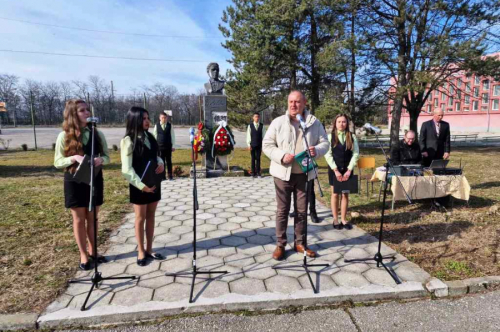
(18, 322)
(201, 172)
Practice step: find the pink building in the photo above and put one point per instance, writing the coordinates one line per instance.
(471, 104)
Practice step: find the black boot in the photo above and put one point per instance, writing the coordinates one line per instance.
(314, 217)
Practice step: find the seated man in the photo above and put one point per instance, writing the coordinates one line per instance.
(407, 151)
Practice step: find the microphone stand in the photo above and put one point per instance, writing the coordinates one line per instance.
(97, 276)
(305, 265)
(378, 256)
(195, 270)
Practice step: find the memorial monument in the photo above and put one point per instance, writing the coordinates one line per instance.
(215, 111)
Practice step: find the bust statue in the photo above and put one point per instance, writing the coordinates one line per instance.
(214, 86)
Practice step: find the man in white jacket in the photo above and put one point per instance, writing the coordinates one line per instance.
(284, 140)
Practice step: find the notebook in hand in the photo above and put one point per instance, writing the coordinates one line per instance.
(149, 176)
(350, 186)
(82, 174)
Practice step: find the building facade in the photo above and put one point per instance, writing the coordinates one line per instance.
(470, 103)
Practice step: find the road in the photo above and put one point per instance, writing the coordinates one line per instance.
(46, 136)
(478, 312)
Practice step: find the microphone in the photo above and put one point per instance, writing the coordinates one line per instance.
(376, 130)
(301, 120)
(191, 134)
(92, 120)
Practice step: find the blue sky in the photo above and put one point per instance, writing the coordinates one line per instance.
(196, 18)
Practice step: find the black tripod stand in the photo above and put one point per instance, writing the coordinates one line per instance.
(97, 276)
(378, 256)
(195, 271)
(305, 265)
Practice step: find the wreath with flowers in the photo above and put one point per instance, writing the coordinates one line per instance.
(201, 140)
(223, 140)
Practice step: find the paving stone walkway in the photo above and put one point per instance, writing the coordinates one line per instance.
(236, 220)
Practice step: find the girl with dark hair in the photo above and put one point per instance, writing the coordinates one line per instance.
(138, 149)
(341, 158)
(72, 144)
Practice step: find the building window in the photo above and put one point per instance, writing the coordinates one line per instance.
(436, 102)
(452, 90)
(459, 82)
(484, 108)
(477, 80)
(476, 92)
(457, 107)
(467, 87)
(442, 107)
(429, 108)
(467, 100)
(450, 101)
(459, 94)
(485, 98)
(466, 109)
(496, 90)
(450, 110)
(436, 93)
(443, 96)
(475, 105)
(494, 104)
(486, 85)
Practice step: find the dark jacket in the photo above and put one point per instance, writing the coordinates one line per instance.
(430, 142)
(404, 154)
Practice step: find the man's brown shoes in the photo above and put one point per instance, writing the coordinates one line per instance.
(300, 248)
(279, 253)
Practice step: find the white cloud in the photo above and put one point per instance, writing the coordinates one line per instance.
(145, 17)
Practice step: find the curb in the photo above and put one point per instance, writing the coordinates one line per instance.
(99, 316)
(440, 288)
(19, 322)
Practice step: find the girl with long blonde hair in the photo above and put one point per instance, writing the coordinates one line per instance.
(72, 144)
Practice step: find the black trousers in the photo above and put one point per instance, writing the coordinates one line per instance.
(166, 156)
(256, 152)
(311, 198)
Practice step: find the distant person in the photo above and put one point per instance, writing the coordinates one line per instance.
(165, 136)
(139, 150)
(255, 134)
(283, 140)
(342, 157)
(435, 138)
(407, 152)
(72, 144)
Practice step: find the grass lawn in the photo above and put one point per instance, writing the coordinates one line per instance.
(38, 253)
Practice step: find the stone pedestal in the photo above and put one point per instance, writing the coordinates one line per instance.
(215, 110)
(201, 172)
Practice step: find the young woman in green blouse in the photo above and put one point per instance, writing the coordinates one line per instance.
(71, 145)
(341, 158)
(139, 151)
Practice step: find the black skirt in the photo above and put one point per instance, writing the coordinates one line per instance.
(78, 194)
(140, 198)
(331, 174)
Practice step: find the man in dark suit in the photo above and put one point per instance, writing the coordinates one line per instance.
(435, 138)
(255, 134)
(408, 151)
(165, 136)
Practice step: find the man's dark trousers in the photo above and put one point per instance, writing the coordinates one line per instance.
(166, 156)
(256, 152)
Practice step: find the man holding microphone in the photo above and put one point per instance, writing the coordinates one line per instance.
(283, 140)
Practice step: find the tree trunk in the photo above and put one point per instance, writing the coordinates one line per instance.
(315, 81)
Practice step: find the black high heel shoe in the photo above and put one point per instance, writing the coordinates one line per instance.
(142, 261)
(347, 226)
(337, 226)
(85, 266)
(155, 256)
